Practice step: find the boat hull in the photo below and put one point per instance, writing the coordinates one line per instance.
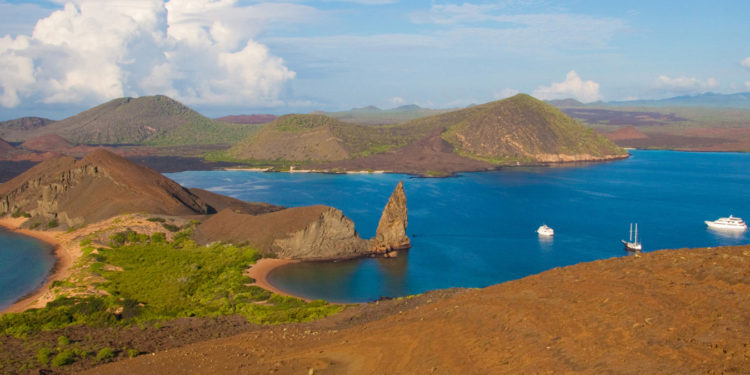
(720, 226)
(631, 246)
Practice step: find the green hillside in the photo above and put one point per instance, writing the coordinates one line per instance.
(315, 137)
(153, 120)
(518, 129)
(522, 129)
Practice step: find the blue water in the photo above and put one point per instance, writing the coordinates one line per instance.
(24, 265)
(478, 229)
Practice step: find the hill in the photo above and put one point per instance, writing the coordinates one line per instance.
(247, 119)
(51, 142)
(315, 137)
(666, 312)
(507, 132)
(68, 192)
(6, 149)
(522, 129)
(14, 130)
(152, 120)
(372, 115)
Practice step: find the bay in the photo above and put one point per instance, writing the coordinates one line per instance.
(25, 263)
(478, 229)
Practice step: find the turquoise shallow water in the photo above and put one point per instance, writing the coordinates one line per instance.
(24, 265)
(478, 229)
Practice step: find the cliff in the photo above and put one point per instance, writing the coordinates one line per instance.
(391, 232)
(314, 232)
(101, 185)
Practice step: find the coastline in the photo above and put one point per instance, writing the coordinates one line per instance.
(64, 258)
(262, 268)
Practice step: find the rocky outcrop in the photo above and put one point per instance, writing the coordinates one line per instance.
(331, 235)
(391, 232)
(101, 185)
(309, 233)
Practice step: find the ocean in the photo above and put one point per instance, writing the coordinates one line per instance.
(476, 229)
(24, 265)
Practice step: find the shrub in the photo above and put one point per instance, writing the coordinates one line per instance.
(64, 358)
(133, 353)
(42, 355)
(170, 227)
(63, 341)
(52, 224)
(158, 237)
(16, 214)
(156, 219)
(105, 354)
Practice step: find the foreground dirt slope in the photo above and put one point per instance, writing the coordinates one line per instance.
(676, 312)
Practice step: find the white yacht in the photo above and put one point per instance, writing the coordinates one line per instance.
(633, 244)
(544, 230)
(727, 223)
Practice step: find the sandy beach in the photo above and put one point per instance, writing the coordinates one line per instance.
(260, 271)
(65, 256)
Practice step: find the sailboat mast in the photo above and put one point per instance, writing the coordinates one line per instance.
(631, 232)
(636, 233)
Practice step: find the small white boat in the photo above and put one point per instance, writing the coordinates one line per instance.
(632, 244)
(727, 223)
(544, 230)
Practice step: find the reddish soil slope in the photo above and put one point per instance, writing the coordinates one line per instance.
(51, 142)
(627, 132)
(99, 186)
(667, 312)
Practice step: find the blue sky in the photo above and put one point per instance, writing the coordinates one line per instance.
(58, 57)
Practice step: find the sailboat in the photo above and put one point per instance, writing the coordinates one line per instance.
(632, 244)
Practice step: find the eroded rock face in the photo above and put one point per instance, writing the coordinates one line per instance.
(391, 232)
(101, 185)
(306, 233)
(332, 235)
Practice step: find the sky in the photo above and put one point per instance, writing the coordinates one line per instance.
(220, 57)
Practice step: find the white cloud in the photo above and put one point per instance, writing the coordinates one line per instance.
(572, 87)
(396, 100)
(505, 93)
(194, 50)
(746, 62)
(684, 85)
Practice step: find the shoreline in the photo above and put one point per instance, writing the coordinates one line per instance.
(262, 268)
(64, 258)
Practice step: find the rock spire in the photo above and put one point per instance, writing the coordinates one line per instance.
(391, 232)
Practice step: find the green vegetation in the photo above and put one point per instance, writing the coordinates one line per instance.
(192, 280)
(52, 224)
(64, 358)
(105, 354)
(42, 355)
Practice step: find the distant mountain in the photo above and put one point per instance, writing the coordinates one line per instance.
(14, 130)
(522, 129)
(739, 100)
(247, 119)
(569, 102)
(154, 120)
(408, 107)
(99, 186)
